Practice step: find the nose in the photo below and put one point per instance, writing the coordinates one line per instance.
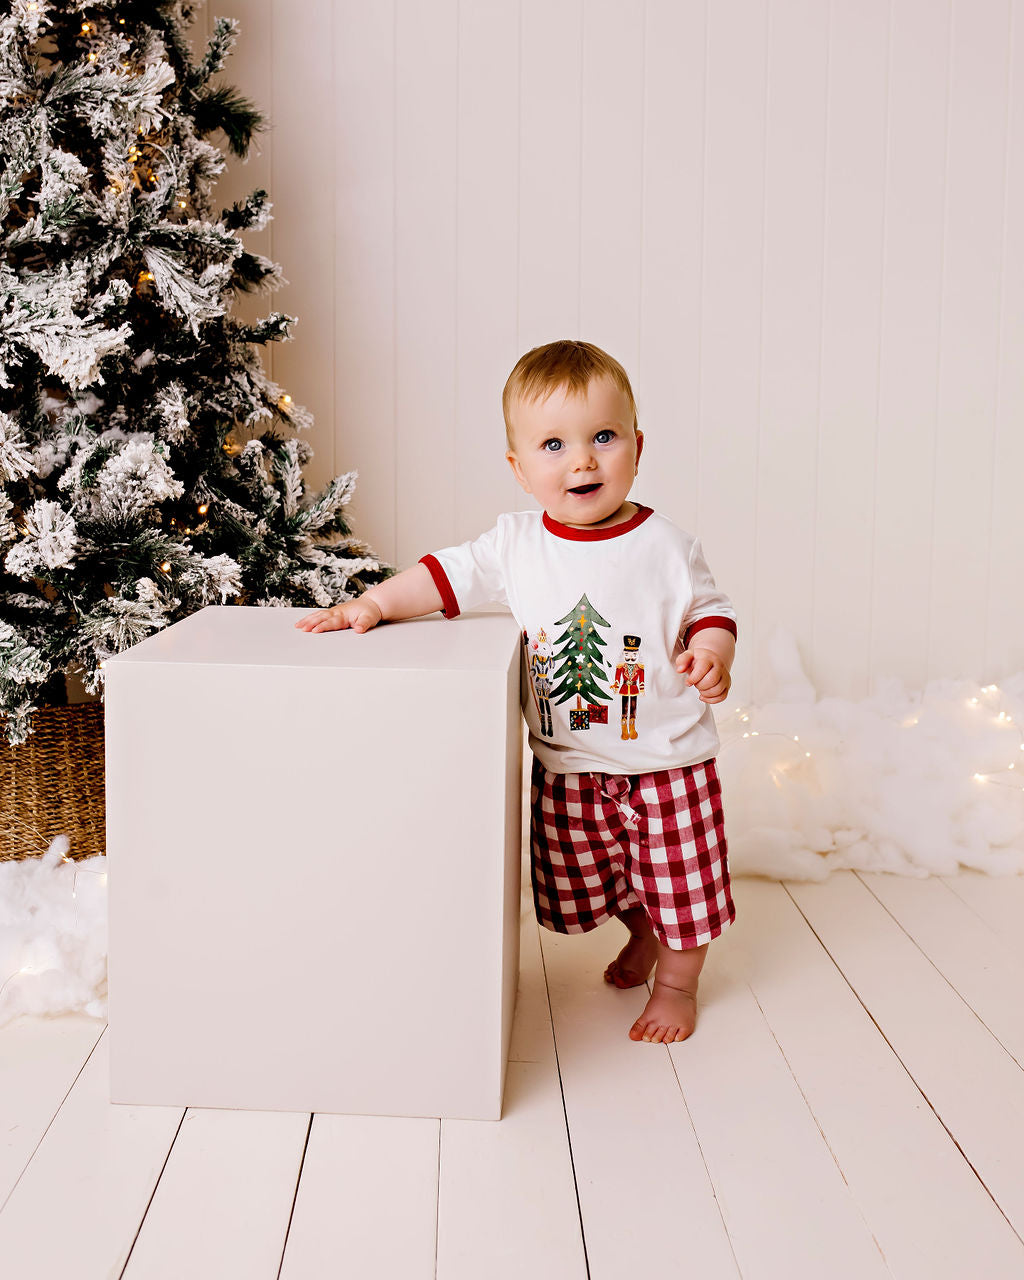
(583, 459)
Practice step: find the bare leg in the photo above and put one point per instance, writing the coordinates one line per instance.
(671, 1012)
(636, 959)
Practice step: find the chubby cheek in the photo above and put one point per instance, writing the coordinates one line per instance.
(546, 476)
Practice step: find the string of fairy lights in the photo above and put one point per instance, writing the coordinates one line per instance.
(989, 778)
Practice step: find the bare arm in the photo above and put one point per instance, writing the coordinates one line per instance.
(409, 594)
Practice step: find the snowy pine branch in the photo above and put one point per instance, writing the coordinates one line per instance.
(148, 464)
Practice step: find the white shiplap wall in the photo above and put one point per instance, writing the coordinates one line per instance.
(798, 223)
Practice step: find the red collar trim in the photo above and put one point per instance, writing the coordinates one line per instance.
(597, 535)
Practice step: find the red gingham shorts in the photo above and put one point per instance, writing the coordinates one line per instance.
(602, 843)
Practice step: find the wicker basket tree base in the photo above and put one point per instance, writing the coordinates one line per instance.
(52, 784)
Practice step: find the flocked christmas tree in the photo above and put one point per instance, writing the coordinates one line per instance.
(579, 663)
(148, 464)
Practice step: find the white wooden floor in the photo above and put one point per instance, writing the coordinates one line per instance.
(852, 1105)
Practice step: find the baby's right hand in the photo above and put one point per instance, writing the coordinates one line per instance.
(360, 614)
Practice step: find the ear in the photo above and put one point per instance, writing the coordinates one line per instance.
(517, 470)
(639, 449)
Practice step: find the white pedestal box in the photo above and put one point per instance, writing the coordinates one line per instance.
(314, 856)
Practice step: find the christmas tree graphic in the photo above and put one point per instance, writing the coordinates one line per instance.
(579, 665)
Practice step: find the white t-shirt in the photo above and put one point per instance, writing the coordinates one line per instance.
(604, 612)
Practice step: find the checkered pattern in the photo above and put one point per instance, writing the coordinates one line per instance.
(603, 842)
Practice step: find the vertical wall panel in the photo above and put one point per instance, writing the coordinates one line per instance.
(908, 368)
(791, 319)
(302, 188)
(364, 280)
(667, 383)
(731, 307)
(426, 60)
(488, 231)
(610, 220)
(851, 343)
(551, 50)
(969, 337)
(1003, 607)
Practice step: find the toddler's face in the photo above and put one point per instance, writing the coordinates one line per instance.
(577, 455)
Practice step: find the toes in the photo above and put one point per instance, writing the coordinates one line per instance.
(636, 1031)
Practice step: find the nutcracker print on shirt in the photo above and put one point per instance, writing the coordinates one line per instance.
(538, 659)
(572, 668)
(629, 683)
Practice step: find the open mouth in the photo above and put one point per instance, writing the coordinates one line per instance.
(582, 490)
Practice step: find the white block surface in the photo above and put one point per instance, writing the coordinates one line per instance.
(314, 857)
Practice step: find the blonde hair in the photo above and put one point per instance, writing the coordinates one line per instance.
(567, 363)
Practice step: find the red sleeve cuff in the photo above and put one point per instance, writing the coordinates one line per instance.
(726, 624)
(449, 605)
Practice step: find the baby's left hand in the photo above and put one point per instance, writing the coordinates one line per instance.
(708, 673)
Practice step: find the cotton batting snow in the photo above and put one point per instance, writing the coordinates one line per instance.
(53, 935)
(891, 783)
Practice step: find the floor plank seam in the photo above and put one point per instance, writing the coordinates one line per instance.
(700, 1149)
(824, 1136)
(295, 1197)
(1009, 1053)
(56, 1113)
(970, 907)
(152, 1194)
(565, 1110)
(909, 1073)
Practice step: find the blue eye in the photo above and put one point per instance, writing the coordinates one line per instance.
(608, 435)
(552, 446)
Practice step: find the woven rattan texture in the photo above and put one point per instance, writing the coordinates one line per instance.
(52, 784)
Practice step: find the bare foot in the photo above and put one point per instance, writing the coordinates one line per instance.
(631, 966)
(669, 1015)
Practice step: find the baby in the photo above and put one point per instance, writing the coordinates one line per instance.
(618, 609)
